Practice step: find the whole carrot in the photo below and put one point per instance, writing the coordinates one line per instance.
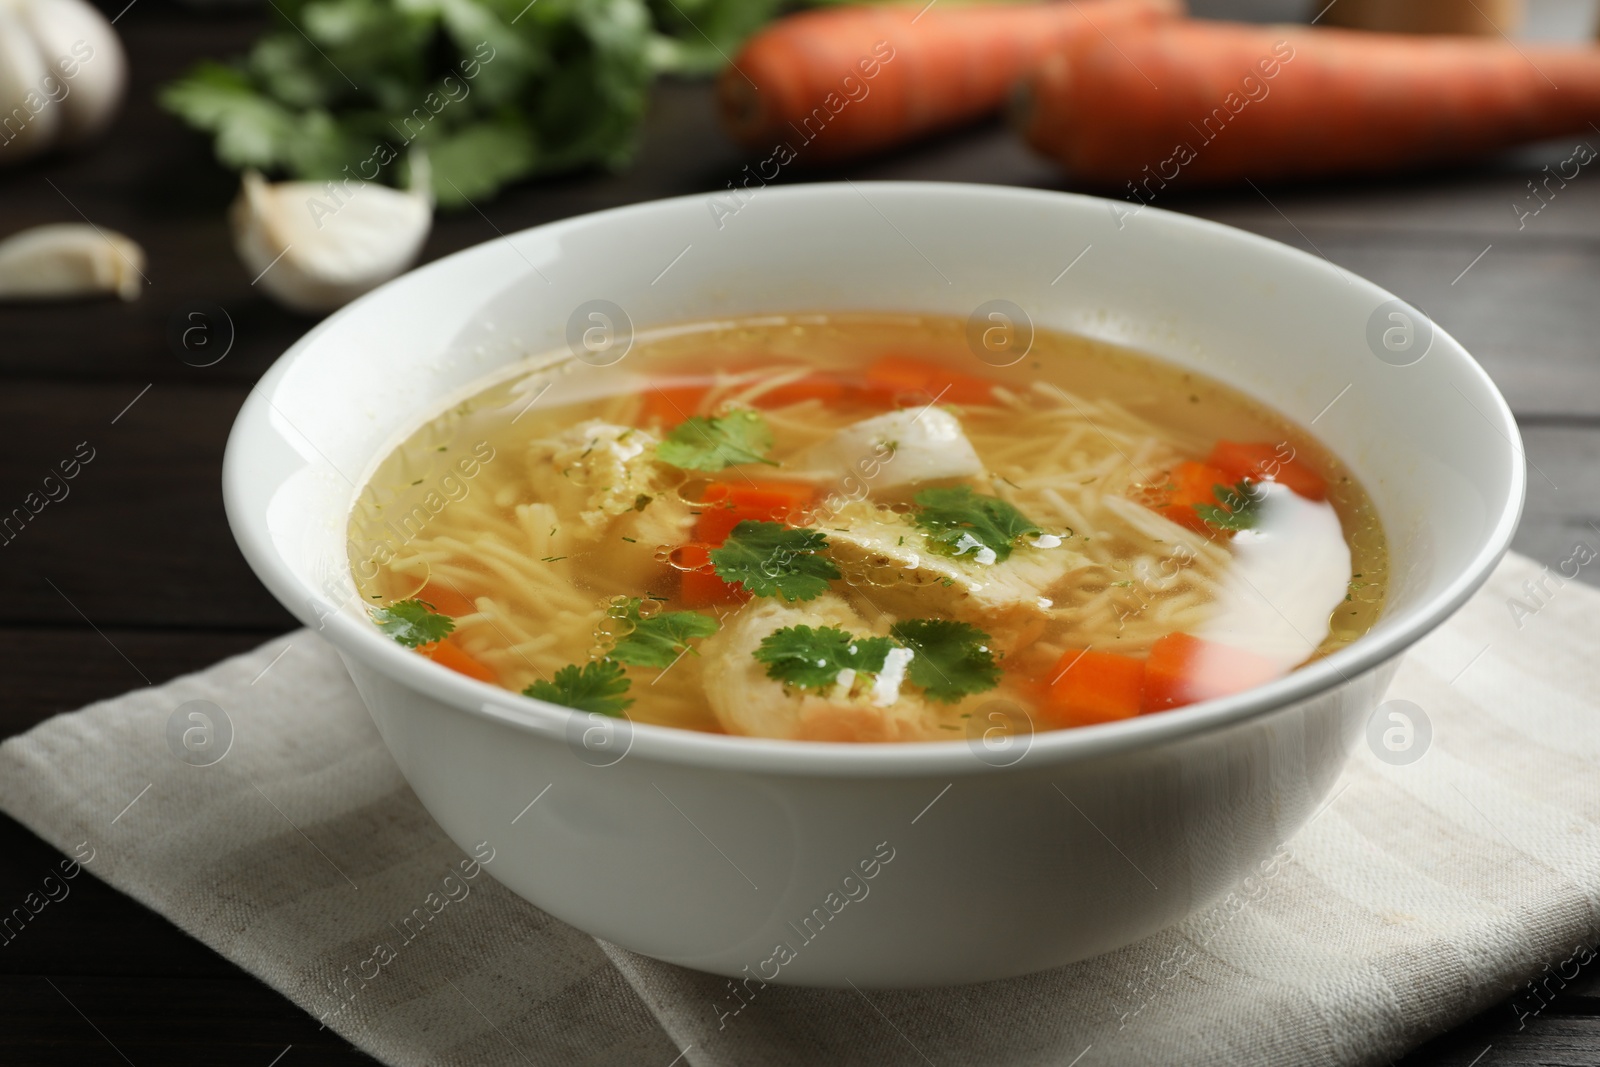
(1208, 103)
(848, 81)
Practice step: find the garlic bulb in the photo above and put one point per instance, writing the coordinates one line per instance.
(62, 75)
(67, 260)
(317, 247)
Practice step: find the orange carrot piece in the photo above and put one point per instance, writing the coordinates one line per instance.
(703, 588)
(670, 403)
(842, 82)
(446, 600)
(700, 587)
(1262, 461)
(1191, 484)
(1271, 103)
(1087, 687)
(447, 654)
(1183, 669)
(895, 376)
(727, 504)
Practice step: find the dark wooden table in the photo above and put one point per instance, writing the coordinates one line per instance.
(133, 578)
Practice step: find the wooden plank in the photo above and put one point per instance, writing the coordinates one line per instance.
(46, 1019)
(1563, 508)
(138, 537)
(60, 669)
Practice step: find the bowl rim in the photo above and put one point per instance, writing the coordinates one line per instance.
(945, 758)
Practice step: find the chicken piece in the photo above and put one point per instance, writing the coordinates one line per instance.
(899, 448)
(888, 560)
(607, 475)
(603, 470)
(748, 702)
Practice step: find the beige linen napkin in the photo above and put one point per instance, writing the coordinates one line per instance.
(1423, 892)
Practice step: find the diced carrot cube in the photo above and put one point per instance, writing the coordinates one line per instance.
(703, 588)
(1191, 484)
(727, 504)
(670, 403)
(446, 599)
(1087, 687)
(1183, 669)
(1262, 461)
(447, 654)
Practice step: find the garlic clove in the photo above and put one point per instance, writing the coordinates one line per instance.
(66, 260)
(86, 58)
(29, 118)
(317, 247)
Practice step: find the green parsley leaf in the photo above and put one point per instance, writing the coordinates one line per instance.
(710, 444)
(770, 559)
(658, 640)
(412, 622)
(952, 658)
(812, 658)
(596, 686)
(1240, 508)
(958, 521)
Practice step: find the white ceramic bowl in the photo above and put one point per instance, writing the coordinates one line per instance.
(751, 857)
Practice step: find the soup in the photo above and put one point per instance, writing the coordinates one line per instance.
(848, 528)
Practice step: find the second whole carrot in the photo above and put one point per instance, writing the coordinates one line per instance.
(838, 83)
(1207, 103)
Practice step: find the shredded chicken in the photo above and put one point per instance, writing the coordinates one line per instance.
(748, 702)
(906, 447)
(895, 571)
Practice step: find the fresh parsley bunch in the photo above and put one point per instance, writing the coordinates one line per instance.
(493, 90)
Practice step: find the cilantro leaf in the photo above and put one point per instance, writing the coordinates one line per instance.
(1240, 507)
(658, 640)
(770, 559)
(473, 162)
(412, 622)
(710, 444)
(252, 129)
(812, 658)
(596, 686)
(952, 658)
(958, 521)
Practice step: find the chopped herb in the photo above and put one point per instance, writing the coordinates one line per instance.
(710, 444)
(1124, 584)
(812, 657)
(952, 658)
(412, 622)
(417, 482)
(641, 502)
(770, 559)
(658, 640)
(596, 686)
(949, 661)
(442, 448)
(1239, 507)
(630, 540)
(957, 521)
(550, 559)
